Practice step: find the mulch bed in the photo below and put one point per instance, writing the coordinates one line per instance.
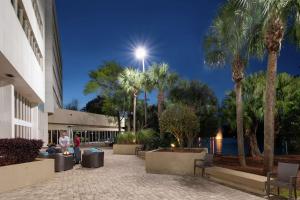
(254, 164)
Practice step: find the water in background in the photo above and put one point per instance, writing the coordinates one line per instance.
(224, 146)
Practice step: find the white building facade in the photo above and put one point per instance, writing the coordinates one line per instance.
(31, 78)
(29, 54)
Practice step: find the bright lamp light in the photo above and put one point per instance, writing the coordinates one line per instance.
(140, 53)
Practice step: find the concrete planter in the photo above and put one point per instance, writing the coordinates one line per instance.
(25, 174)
(176, 163)
(125, 149)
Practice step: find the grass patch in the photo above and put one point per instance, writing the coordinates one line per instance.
(284, 192)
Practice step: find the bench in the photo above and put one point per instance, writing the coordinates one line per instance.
(241, 180)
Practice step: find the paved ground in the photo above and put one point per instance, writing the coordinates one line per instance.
(124, 177)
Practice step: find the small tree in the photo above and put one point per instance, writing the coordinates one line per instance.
(104, 81)
(181, 121)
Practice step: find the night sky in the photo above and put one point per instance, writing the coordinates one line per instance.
(94, 31)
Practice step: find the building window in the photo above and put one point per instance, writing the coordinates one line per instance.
(24, 21)
(23, 108)
(23, 132)
(38, 16)
(23, 117)
(53, 136)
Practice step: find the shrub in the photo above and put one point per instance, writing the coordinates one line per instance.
(181, 121)
(18, 150)
(144, 136)
(149, 138)
(126, 138)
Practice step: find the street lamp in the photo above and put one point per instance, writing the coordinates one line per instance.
(141, 54)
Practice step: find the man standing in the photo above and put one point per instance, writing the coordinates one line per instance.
(77, 153)
(64, 141)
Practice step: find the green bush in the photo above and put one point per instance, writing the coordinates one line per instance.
(145, 135)
(126, 138)
(181, 121)
(149, 138)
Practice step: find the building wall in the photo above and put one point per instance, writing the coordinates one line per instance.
(7, 110)
(91, 127)
(71, 117)
(19, 49)
(22, 68)
(53, 62)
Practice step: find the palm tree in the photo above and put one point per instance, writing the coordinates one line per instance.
(148, 86)
(223, 45)
(104, 81)
(279, 19)
(161, 79)
(131, 81)
(254, 89)
(228, 42)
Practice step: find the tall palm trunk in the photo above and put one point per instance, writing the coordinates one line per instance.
(145, 108)
(254, 149)
(269, 112)
(273, 39)
(160, 101)
(134, 113)
(119, 122)
(237, 76)
(239, 123)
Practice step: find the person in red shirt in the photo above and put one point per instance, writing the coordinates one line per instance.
(77, 153)
(77, 141)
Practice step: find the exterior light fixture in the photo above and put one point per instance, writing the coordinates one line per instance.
(140, 53)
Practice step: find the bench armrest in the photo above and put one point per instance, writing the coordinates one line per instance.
(198, 160)
(271, 175)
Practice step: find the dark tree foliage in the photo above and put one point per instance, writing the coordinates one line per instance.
(73, 105)
(105, 81)
(287, 110)
(153, 118)
(202, 99)
(94, 106)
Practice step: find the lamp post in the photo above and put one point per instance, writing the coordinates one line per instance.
(141, 54)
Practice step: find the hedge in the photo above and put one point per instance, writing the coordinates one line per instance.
(18, 150)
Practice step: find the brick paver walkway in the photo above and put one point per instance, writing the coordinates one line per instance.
(124, 177)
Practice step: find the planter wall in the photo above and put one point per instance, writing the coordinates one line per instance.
(25, 174)
(176, 163)
(125, 149)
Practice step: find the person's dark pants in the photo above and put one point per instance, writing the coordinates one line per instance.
(77, 154)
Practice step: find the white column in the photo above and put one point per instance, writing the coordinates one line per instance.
(35, 122)
(7, 111)
(42, 126)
